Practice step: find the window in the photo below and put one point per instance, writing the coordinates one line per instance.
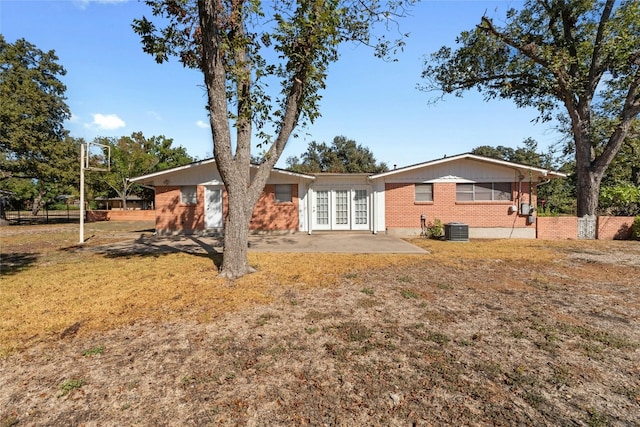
(464, 193)
(189, 195)
(424, 193)
(483, 191)
(360, 202)
(284, 193)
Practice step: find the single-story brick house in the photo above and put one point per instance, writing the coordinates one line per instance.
(494, 198)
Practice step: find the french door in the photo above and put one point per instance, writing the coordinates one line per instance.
(341, 209)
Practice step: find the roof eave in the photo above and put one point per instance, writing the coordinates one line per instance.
(543, 172)
(150, 177)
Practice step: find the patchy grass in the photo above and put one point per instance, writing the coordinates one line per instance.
(70, 385)
(506, 332)
(68, 291)
(93, 351)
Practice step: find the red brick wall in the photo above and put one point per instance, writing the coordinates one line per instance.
(172, 215)
(557, 227)
(128, 215)
(402, 211)
(615, 227)
(272, 216)
(566, 227)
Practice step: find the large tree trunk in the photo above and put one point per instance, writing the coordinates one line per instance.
(235, 262)
(587, 182)
(243, 191)
(588, 191)
(37, 200)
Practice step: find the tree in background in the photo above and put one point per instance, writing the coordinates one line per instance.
(577, 56)
(558, 194)
(136, 155)
(620, 192)
(342, 156)
(527, 155)
(242, 47)
(33, 143)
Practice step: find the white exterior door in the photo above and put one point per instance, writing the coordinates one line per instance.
(321, 210)
(341, 209)
(341, 218)
(212, 207)
(360, 210)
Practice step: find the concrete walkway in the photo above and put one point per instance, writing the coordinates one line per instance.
(335, 242)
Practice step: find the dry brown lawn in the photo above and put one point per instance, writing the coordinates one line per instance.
(505, 332)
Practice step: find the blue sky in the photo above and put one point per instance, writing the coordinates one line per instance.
(114, 89)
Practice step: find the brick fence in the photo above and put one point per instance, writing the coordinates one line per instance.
(566, 227)
(117, 215)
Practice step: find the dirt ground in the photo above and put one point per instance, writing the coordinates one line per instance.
(476, 342)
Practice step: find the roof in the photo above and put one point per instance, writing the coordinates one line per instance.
(205, 162)
(518, 166)
(312, 176)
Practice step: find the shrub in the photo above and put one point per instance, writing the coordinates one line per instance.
(435, 230)
(620, 200)
(635, 229)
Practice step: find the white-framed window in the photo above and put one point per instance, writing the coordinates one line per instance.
(424, 193)
(483, 191)
(284, 193)
(361, 211)
(189, 195)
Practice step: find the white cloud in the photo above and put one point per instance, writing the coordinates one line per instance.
(202, 124)
(82, 4)
(154, 115)
(107, 122)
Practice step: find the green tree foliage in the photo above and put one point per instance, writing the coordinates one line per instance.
(635, 228)
(342, 156)
(244, 48)
(33, 142)
(580, 56)
(620, 191)
(527, 155)
(133, 156)
(621, 199)
(558, 194)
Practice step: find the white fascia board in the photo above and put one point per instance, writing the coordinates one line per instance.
(208, 162)
(543, 172)
(291, 173)
(172, 170)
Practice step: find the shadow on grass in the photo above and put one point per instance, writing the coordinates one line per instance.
(145, 230)
(16, 262)
(146, 246)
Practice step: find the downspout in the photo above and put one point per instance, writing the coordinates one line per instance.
(520, 177)
(372, 210)
(309, 208)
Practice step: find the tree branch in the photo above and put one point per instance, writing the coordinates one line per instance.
(597, 65)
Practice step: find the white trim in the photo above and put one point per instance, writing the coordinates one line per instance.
(543, 172)
(172, 170)
(210, 161)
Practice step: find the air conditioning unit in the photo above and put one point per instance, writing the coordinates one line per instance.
(456, 232)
